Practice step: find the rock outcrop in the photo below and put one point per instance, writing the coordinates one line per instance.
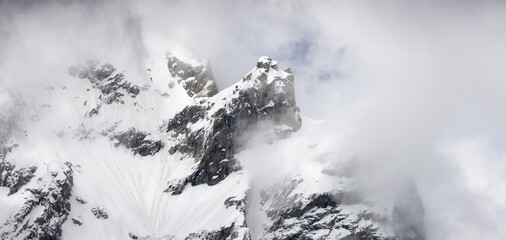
(196, 78)
(13, 178)
(339, 214)
(213, 130)
(45, 210)
(138, 142)
(113, 87)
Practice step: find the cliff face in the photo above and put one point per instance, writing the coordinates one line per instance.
(212, 130)
(106, 157)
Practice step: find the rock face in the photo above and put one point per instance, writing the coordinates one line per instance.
(50, 196)
(213, 130)
(338, 215)
(13, 178)
(196, 77)
(45, 209)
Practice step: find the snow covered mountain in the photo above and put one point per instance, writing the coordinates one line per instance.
(97, 155)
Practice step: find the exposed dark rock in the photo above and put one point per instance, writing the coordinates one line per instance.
(237, 203)
(114, 97)
(306, 212)
(13, 178)
(197, 80)
(94, 111)
(133, 236)
(103, 72)
(149, 147)
(315, 201)
(99, 213)
(137, 142)
(80, 200)
(134, 90)
(176, 186)
(76, 222)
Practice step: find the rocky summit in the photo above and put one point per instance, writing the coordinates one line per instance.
(98, 154)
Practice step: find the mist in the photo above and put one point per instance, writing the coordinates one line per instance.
(417, 87)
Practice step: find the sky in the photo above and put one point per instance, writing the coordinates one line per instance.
(420, 85)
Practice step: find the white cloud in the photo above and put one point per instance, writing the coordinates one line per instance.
(405, 76)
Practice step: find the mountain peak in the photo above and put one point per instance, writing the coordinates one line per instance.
(265, 62)
(214, 129)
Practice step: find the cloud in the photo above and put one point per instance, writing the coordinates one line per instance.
(414, 82)
(43, 38)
